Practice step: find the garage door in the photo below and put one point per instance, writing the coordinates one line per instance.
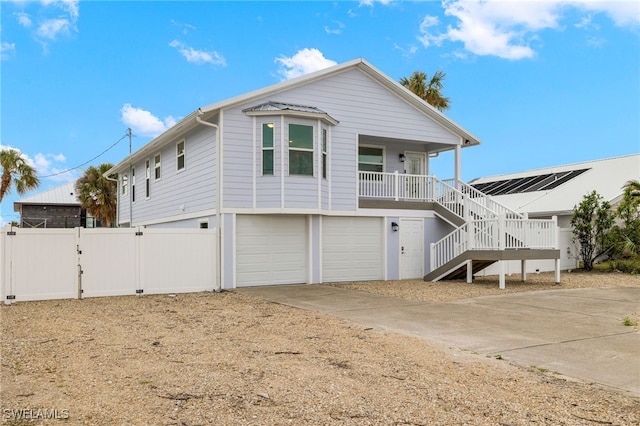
(352, 249)
(271, 250)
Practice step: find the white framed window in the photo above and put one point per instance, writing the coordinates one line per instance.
(147, 178)
(370, 158)
(156, 166)
(133, 184)
(124, 182)
(268, 157)
(180, 152)
(300, 150)
(324, 153)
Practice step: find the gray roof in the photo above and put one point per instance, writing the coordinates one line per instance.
(281, 106)
(63, 194)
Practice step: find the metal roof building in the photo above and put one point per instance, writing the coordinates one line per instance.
(557, 190)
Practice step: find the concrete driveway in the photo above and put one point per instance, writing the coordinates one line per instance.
(577, 333)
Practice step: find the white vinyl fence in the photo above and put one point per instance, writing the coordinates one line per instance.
(43, 264)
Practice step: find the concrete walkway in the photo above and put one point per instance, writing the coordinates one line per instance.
(577, 333)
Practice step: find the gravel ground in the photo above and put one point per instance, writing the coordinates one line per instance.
(229, 359)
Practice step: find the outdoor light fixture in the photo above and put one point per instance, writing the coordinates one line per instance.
(394, 225)
(401, 158)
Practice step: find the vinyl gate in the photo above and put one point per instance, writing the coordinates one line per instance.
(42, 264)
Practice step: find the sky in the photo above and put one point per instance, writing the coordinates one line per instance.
(540, 83)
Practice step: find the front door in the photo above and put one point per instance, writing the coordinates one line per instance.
(415, 164)
(411, 248)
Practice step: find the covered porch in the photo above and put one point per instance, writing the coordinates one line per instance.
(400, 169)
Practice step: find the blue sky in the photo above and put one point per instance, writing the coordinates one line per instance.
(540, 83)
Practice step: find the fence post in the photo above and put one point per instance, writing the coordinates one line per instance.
(396, 187)
(502, 232)
(432, 256)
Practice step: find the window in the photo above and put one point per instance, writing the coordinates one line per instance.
(133, 184)
(324, 153)
(125, 182)
(370, 159)
(180, 155)
(300, 150)
(203, 224)
(267, 148)
(147, 178)
(156, 165)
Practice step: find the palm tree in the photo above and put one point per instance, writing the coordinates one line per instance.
(430, 91)
(97, 194)
(16, 172)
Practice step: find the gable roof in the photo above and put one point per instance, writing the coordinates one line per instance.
(557, 190)
(63, 194)
(360, 64)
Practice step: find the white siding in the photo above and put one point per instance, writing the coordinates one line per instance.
(362, 107)
(176, 192)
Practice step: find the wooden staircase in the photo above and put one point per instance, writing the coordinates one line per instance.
(487, 232)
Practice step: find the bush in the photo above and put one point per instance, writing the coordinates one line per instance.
(628, 266)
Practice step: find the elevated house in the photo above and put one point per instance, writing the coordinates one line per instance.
(555, 191)
(325, 178)
(56, 207)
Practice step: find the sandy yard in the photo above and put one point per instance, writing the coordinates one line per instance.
(228, 359)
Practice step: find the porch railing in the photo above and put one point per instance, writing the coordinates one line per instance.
(495, 234)
(405, 187)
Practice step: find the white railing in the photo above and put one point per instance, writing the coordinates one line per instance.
(396, 186)
(495, 234)
(484, 199)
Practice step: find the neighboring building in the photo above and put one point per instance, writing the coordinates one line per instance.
(317, 179)
(54, 208)
(555, 191)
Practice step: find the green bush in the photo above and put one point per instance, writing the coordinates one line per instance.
(628, 266)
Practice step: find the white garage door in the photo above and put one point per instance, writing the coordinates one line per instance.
(352, 249)
(271, 250)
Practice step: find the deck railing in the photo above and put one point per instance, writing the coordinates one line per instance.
(495, 234)
(484, 199)
(404, 187)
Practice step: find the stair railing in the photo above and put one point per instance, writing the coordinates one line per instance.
(484, 199)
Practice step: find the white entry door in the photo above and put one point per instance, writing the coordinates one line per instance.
(415, 163)
(411, 248)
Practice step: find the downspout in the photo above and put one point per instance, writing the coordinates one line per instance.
(117, 197)
(218, 285)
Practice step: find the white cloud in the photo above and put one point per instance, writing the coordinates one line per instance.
(7, 49)
(304, 62)
(48, 166)
(185, 28)
(370, 3)
(337, 30)
(198, 56)
(53, 19)
(24, 19)
(53, 167)
(143, 122)
(622, 13)
(51, 28)
(507, 28)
